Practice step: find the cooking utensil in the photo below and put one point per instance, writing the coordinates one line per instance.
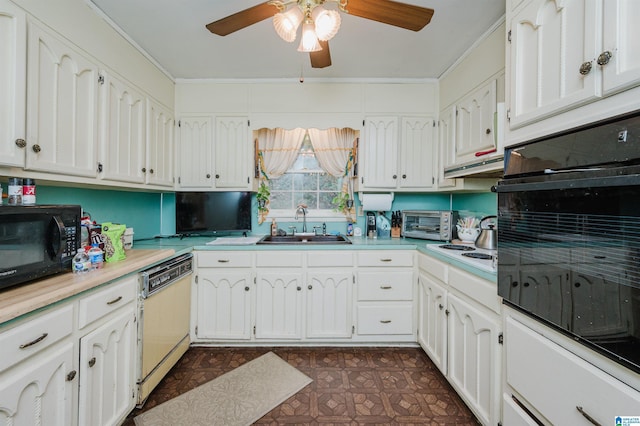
(488, 238)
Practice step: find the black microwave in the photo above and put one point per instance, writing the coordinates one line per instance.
(37, 241)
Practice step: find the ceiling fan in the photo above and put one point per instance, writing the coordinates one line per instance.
(320, 24)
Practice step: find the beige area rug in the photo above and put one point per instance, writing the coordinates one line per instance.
(239, 397)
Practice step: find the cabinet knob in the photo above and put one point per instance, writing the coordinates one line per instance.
(151, 171)
(208, 175)
(92, 362)
(310, 287)
(246, 288)
(404, 176)
(36, 148)
(585, 68)
(604, 58)
(71, 375)
(395, 176)
(217, 176)
(441, 306)
(21, 143)
(299, 288)
(144, 170)
(488, 131)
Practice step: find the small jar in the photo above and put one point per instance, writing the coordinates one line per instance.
(28, 191)
(14, 191)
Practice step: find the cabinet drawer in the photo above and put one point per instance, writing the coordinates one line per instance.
(385, 318)
(385, 258)
(279, 259)
(107, 300)
(330, 259)
(385, 285)
(34, 335)
(581, 384)
(224, 259)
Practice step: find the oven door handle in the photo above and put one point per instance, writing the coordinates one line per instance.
(586, 182)
(55, 242)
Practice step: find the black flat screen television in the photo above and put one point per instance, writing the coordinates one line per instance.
(213, 212)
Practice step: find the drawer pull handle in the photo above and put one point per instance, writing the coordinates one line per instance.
(587, 416)
(92, 362)
(385, 287)
(116, 300)
(385, 321)
(386, 260)
(71, 375)
(223, 260)
(33, 342)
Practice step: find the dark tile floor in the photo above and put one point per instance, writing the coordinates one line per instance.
(351, 386)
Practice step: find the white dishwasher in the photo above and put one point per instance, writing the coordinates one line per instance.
(163, 329)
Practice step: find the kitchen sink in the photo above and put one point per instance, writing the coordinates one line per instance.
(304, 239)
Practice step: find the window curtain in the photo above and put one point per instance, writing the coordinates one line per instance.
(334, 149)
(278, 149)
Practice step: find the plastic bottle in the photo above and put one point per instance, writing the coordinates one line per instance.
(274, 227)
(96, 257)
(81, 262)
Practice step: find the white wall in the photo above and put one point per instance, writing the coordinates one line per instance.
(308, 104)
(78, 22)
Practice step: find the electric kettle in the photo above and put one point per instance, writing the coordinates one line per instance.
(488, 238)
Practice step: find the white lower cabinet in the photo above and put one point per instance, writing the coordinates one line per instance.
(459, 328)
(223, 289)
(108, 371)
(56, 369)
(582, 393)
(329, 303)
(279, 304)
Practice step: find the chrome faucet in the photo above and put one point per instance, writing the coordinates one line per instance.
(302, 208)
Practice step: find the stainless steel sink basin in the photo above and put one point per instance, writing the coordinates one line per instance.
(304, 239)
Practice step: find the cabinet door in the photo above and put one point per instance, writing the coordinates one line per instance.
(329, 304)
(108, 371)
(622, 38)
(40, 391)
(432, 320)
(474, 358)
(379, 153)
(194, 152)
(122, 132)
(62, 98)
(279, 305)
(13, 73)
(446, 145)
(160, 147)
(417, 151)
(223, 304)
(232, 159)
(474, 123)
(550, 40)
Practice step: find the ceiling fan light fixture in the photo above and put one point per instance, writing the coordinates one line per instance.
(327, 22)
(286, 23)
(309, 40)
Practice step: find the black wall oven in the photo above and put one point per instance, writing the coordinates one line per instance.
(569, 234)
(36, 241)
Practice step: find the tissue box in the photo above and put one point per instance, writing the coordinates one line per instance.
(128, 238)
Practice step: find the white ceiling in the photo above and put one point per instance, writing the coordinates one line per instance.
(173, 33)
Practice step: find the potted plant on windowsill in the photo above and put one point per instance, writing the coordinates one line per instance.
(343, 204)
(262, 196)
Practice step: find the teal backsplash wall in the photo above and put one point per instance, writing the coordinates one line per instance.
(153, 213)
(143, 211)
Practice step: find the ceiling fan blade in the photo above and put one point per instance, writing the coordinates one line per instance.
(242, 19)
(390, 12)
(321, 58)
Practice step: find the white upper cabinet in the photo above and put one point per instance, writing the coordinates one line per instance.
(475, 123)
(232, 154)
(446, 145)
(396, 157)
(160, 146)
(13, 57)
(122, 130)
(417, 152)
(62, 99)
(194, 152)
(379, 153)
(564, 54)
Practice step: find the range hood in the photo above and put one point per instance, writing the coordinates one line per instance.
(490, 166)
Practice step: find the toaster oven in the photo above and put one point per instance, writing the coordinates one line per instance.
(436, 225)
